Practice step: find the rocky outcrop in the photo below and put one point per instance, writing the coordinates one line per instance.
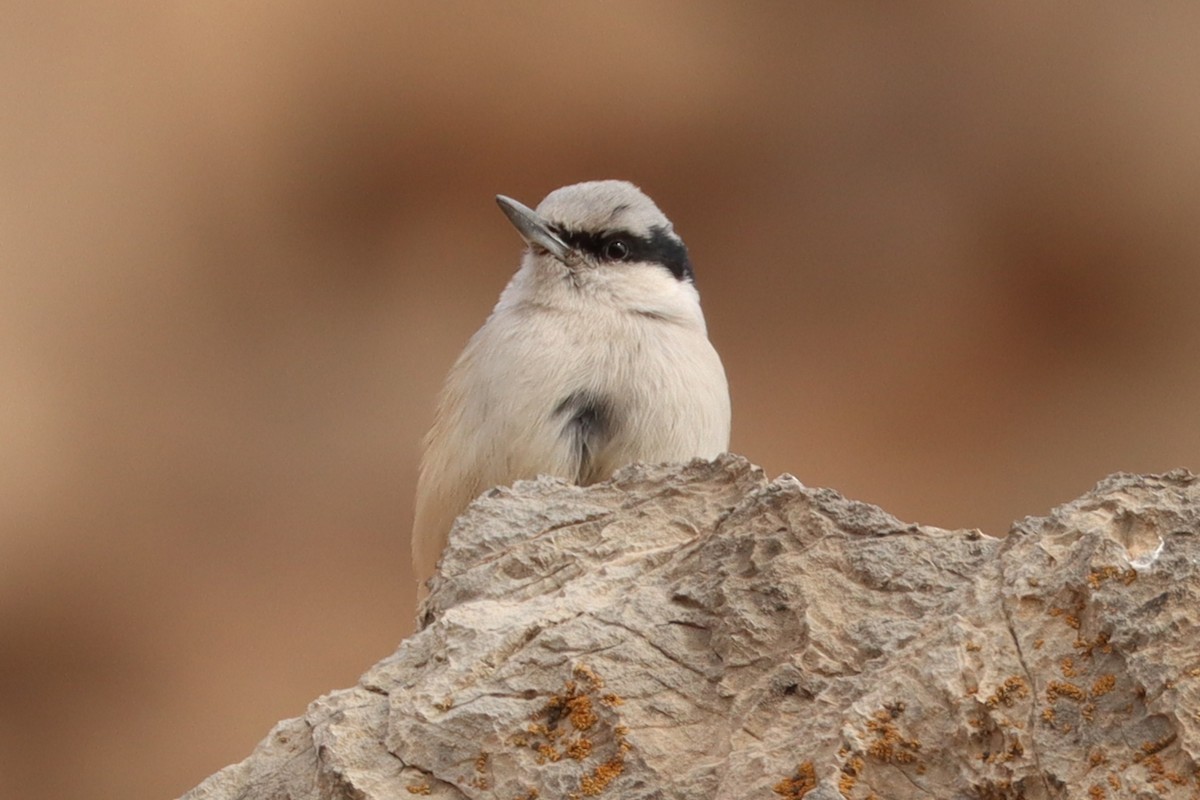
(701, 632)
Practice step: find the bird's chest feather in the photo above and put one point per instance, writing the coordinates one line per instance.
(613, 363)
(589, 374)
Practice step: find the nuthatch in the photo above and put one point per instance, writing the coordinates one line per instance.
(595, 356)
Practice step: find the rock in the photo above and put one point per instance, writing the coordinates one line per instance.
(698, 631)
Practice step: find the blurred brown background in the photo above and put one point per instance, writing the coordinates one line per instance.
(948, 252)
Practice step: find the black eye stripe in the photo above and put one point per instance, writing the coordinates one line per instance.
(658, 247)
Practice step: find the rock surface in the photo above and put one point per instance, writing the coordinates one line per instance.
(701, 632)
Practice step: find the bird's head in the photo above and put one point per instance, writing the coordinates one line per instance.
(604, 238)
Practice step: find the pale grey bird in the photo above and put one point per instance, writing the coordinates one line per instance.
(595, 356)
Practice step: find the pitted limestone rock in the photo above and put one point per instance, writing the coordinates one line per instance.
(699, 631)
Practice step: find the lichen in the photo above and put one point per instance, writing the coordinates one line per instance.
(889, 746)
(567, 728)
(1058, 689)
(1014, 688)
(598, 780)
(801, 783)
(1103, 685)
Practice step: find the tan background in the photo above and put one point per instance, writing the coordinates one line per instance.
(948, 252)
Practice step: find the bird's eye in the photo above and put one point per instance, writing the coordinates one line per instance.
(616, 250)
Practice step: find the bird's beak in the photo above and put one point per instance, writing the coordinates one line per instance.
(534, 230)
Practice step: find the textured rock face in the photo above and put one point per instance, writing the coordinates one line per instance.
(701, 632)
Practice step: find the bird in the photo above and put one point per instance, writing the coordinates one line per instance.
(595, 356)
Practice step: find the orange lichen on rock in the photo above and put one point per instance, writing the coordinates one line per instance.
(598, 779)
(1158, 772)
(1087, 648)
(580, 749)
(1071, 617)
(1150, 748)
(1015, 750)
(1103, 685)
(850, 772)
(800, 784)
(1058, 689)
(1013, 688)
(623, 745)
(418, 788)
(595, 682)
(558, 727)
(1099, 576)
(547, 752)
(580, 712)
(889, 745)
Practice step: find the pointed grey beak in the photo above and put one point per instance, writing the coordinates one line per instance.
(534, 230)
